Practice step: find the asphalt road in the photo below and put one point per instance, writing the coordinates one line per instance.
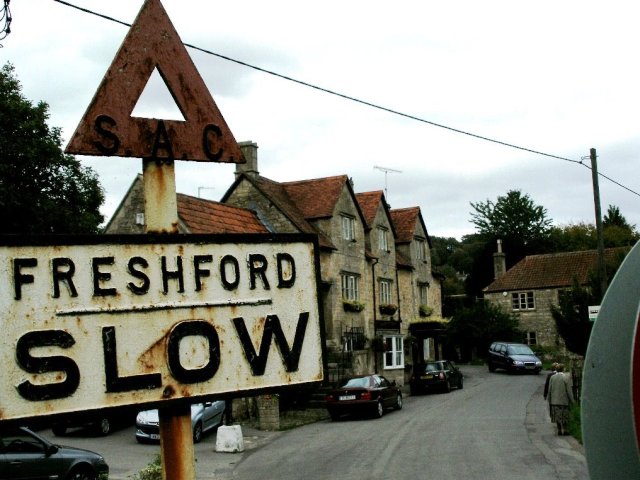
(481, 432)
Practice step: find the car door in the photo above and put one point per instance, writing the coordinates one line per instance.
(387, 391)
(26, 457)
(210, 414)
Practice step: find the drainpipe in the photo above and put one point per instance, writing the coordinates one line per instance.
(373, 285)
(398, 294)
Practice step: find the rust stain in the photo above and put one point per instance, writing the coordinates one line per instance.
(107, 129)
(168, 392)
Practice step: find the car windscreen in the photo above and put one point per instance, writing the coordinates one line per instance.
(519, 350)
(361, 382)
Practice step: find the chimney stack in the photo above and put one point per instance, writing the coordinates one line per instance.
(250, 152)
(499, 262)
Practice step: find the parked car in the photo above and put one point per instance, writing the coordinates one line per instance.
(439, 375)
(369, 394)
(513, 357)
(204, 417)
(97, 422)
(25, 455)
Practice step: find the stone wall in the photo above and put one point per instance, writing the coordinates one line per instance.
(538, 320)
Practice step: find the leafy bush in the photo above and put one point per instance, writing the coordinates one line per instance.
(153, 471)
(575, 422)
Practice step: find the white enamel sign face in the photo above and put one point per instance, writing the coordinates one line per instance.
(88, 326)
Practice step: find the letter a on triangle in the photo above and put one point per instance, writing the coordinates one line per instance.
(108, 128)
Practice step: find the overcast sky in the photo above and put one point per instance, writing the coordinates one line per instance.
(554, 77)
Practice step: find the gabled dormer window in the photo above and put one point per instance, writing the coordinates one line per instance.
(383, 239)
(348, 228)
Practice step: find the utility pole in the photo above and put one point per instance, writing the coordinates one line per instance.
(386, 170)
(602, 271)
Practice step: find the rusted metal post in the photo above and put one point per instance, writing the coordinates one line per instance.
(161, 216)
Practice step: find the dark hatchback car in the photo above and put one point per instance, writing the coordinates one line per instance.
(26, 455)
(441, 375)
(513, 357)
(368, 394)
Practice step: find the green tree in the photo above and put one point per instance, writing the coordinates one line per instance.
(614, 217)
(477, 326)
(572, 318)
(572, 238)
(511, 216)
(616, 231)
(42, 190)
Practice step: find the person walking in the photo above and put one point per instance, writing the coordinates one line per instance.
(560, 398)
(554, 367)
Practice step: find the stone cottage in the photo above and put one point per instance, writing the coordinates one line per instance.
(535, 283)
(376, 276)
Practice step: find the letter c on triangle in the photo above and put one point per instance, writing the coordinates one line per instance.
(107, 127)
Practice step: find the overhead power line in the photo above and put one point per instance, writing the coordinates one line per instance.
(360, 101)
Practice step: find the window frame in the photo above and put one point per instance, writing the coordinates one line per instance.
(523, 301)
(383, 239)
(421, 249)
(348, 228)
(350, 286)
(393, 357)
(531, 338)
(423, 293)
(384, 291)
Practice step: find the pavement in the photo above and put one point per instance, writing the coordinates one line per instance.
(564, 453)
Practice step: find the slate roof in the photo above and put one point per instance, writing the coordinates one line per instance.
(554, 270)
(206, 216)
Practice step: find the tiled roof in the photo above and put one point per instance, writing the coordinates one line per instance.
(316, 198)
(404, 220)
(295, 207)
(554, 270)
(369, 202)
(207, 216)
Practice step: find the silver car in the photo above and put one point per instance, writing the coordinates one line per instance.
(204, 417)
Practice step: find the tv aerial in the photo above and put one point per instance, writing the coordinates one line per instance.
(386, 171)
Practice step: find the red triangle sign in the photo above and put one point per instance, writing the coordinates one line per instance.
(107, 127)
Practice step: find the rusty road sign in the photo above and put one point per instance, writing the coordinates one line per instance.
(95, 322)
(107, 128)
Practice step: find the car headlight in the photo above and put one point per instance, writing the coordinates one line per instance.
(518, 362)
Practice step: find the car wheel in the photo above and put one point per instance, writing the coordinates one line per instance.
(379, 409)
(335, 416)
(447, 387)
(59, 430)
(82, 474)
(492, 367)
(197, 432)
(103, 427)
(398, 405)
(460, 383)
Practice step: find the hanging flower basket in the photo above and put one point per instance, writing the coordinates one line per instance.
(388, 308)
(352, 306)
(425, 310)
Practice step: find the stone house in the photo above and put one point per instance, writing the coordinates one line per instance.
(535, 283)
(195, 215)
(420, 285)
(373, 280)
